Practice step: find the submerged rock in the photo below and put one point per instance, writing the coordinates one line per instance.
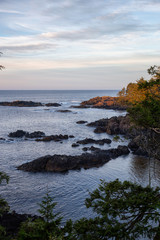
(64, 111)
(62, 163)
(75, 145)
(81, 122)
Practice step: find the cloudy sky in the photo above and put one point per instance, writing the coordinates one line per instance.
(77, 44)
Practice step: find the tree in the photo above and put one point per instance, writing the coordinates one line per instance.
(47, 227)
(124, 211)
(4, 207)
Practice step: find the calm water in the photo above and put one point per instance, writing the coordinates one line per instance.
(25, 189)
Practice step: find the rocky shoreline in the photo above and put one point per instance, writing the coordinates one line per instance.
(105, 102)
(139, 137)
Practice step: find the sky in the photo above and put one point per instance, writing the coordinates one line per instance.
(77, 44)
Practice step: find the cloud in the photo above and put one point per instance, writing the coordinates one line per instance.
(28, 47)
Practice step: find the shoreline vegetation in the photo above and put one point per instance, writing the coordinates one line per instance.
(124, 210)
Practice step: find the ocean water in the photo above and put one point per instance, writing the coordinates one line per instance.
(70, 190)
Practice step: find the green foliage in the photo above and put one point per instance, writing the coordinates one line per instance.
(116, 138)
(146, 113)
(4, 207)
(124, 211)
(4, 177)
(46, 227)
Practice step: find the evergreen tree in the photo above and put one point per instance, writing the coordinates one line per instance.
(47, 227)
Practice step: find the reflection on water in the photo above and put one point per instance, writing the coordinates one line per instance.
(145, 171)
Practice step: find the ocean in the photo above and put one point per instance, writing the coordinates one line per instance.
(25, 190)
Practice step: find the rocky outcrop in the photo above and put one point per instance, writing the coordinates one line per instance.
(114, 125)
(28, 104)
(21, 133)
(55, 138)
(143, 141)
(105, 102)
(90, 140)
(21, 104)
(62, 163)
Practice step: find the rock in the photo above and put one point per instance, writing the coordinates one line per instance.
(92, 148)
(18, 134)
(21, 104)
(36, 134)
(53, 105)
(75, 145)
(136, 147)
(64, 111)
(55, 138)
(71, 136)
(85, 149)
(105, 102)
(2, 139)
(62, 163)
(81, 122)
(21, 133)
(90, 140)
(113, 125)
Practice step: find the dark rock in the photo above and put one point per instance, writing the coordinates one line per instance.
(21, 104)
(2, 139)
(71, 136)
(81, 122)
(90, 140)
(55, 138)
(64, 111)
(62, 163)
(92, 148)
(35, 134)
(136, 147)
(75, 145)
(18, 134)
(114, 125)
(85, 149)
(53, 105)
(21, 133)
